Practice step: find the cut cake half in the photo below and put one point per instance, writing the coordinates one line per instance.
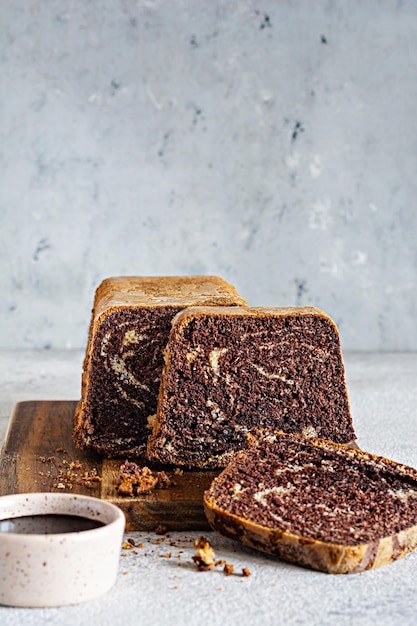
(228, 370)
(129, 328)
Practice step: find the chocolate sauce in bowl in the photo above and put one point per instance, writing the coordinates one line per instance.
(48, 524)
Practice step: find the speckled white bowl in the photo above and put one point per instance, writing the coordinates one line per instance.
(40, 570)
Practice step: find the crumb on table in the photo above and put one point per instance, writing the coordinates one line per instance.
(205, 555)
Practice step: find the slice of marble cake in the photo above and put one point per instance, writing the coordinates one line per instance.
(228, 370)
(129, 328)
(316, 503)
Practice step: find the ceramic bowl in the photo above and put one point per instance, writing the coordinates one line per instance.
(51, 560)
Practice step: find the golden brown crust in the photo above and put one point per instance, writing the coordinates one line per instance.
(319, 555)
(155, 291)
(185, 316)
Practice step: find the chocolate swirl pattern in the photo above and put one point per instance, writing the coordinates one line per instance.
(129, 329)
(229, 371)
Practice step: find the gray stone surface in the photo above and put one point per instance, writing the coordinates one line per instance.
(272, 143)
(154, 590)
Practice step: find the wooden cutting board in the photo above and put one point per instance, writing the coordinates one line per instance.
(38, 455)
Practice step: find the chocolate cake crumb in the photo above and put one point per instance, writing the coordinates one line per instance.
(146, 483)
(163, 480)
(67, 473)
(125, 488)
(160, 529)
(88, 478)
(136, 480)
(204, 556)
(228, 569)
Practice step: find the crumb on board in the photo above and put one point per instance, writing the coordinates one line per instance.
(160, 529)
(136, 480)
(66, 474)
(163, 480)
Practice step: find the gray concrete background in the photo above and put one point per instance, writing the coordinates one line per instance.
(273, 143)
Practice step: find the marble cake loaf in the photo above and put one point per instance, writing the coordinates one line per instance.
(228, 370)
(319, 504)
(129, 328)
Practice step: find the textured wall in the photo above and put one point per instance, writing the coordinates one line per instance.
(273, 143)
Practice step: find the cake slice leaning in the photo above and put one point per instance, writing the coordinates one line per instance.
(316, 503)
(230, 369)
(130, 325)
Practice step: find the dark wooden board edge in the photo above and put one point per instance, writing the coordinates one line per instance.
(38, 450)
(38, 455)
